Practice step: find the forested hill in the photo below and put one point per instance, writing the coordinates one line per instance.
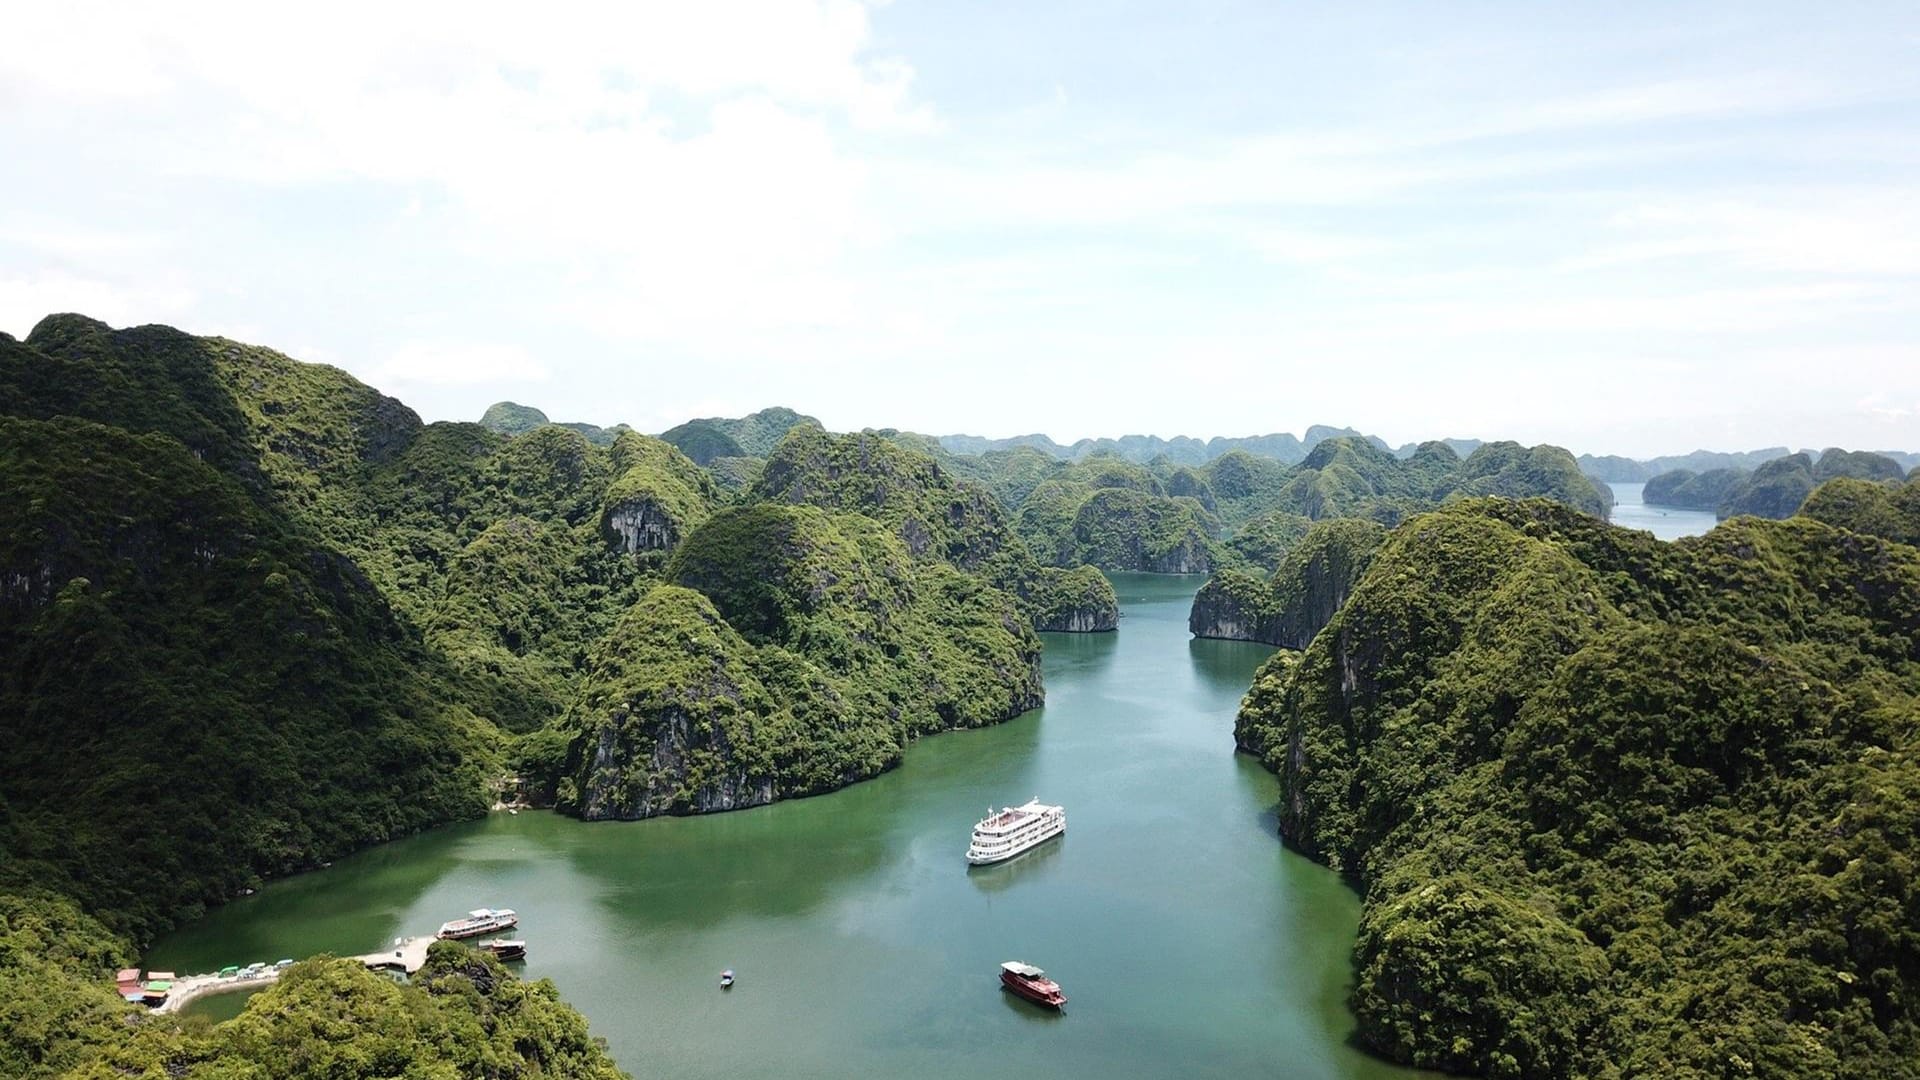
(257, 615)
(1775, 489)
(1621, 807)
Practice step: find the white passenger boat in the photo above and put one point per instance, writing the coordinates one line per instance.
(1015, 829)
(479, 921)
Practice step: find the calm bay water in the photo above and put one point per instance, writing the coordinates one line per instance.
(1667, 524)
(1189, 941)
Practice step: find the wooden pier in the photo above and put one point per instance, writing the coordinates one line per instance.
(407, 954)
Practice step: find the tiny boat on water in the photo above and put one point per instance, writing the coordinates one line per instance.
(726, 979)
(505, 948)
(1031, 983)
(479, 921)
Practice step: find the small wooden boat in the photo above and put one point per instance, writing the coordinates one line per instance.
(505, 948)
(1031, 983)
(726, 979)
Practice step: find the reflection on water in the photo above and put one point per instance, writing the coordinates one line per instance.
(1190, 941)
(1224, 664)
(1029, 864)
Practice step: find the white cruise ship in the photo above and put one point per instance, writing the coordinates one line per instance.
(1013, 830)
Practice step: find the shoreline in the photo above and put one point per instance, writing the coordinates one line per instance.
(407, 956)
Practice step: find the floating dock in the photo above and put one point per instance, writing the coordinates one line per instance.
(407, 954)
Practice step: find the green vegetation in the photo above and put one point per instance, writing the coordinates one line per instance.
(1868, 508)
(1774, 489)
(1143, 449)
(756, 434)
(1518, 472)
(57, 1004)
(703, 442)
(259, 615)
(937, 516)
(509, 419)
(1620, 808)
(1267, 538)
(803, 652)
(1835, 463)
(1313, 580)
(1683, 489)
(655, 497)
(1115, 515)
(328, 1019)
(170, 645)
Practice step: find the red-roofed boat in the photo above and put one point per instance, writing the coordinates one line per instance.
(1031, 983)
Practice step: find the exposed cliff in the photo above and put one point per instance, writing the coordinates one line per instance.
(1313, 580)
(797, 652)
(1078, 601)
(657, 495)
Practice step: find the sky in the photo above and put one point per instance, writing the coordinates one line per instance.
(1617, 227)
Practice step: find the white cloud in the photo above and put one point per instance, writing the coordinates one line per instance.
(760, 196)
(457, 364)
(27, 298)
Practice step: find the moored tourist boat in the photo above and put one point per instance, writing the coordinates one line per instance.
(479, 921)
(505, 948)
(1000, 836)
(1031, 983)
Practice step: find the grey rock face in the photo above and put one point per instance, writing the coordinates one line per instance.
(1087, 619)
(642, 525)
(616, 791)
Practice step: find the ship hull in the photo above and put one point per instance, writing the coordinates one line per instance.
(1046, 994)
(461, 933)
(992, 857)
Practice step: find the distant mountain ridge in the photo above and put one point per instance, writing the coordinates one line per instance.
(1181, 449)
(510, 418)
(1775, 489)
(755, 434)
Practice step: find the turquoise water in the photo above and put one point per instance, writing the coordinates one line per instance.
(1629, 511)
(1188, 940)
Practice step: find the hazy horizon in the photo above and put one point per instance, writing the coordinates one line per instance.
(1631, 229)
(1298, 433)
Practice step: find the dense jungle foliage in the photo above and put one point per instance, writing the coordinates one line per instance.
(1244, 511)
(795, 652)
(1621, 807)
(461, 1015)
(1313, 580)
(508, 418)
(258, 615)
